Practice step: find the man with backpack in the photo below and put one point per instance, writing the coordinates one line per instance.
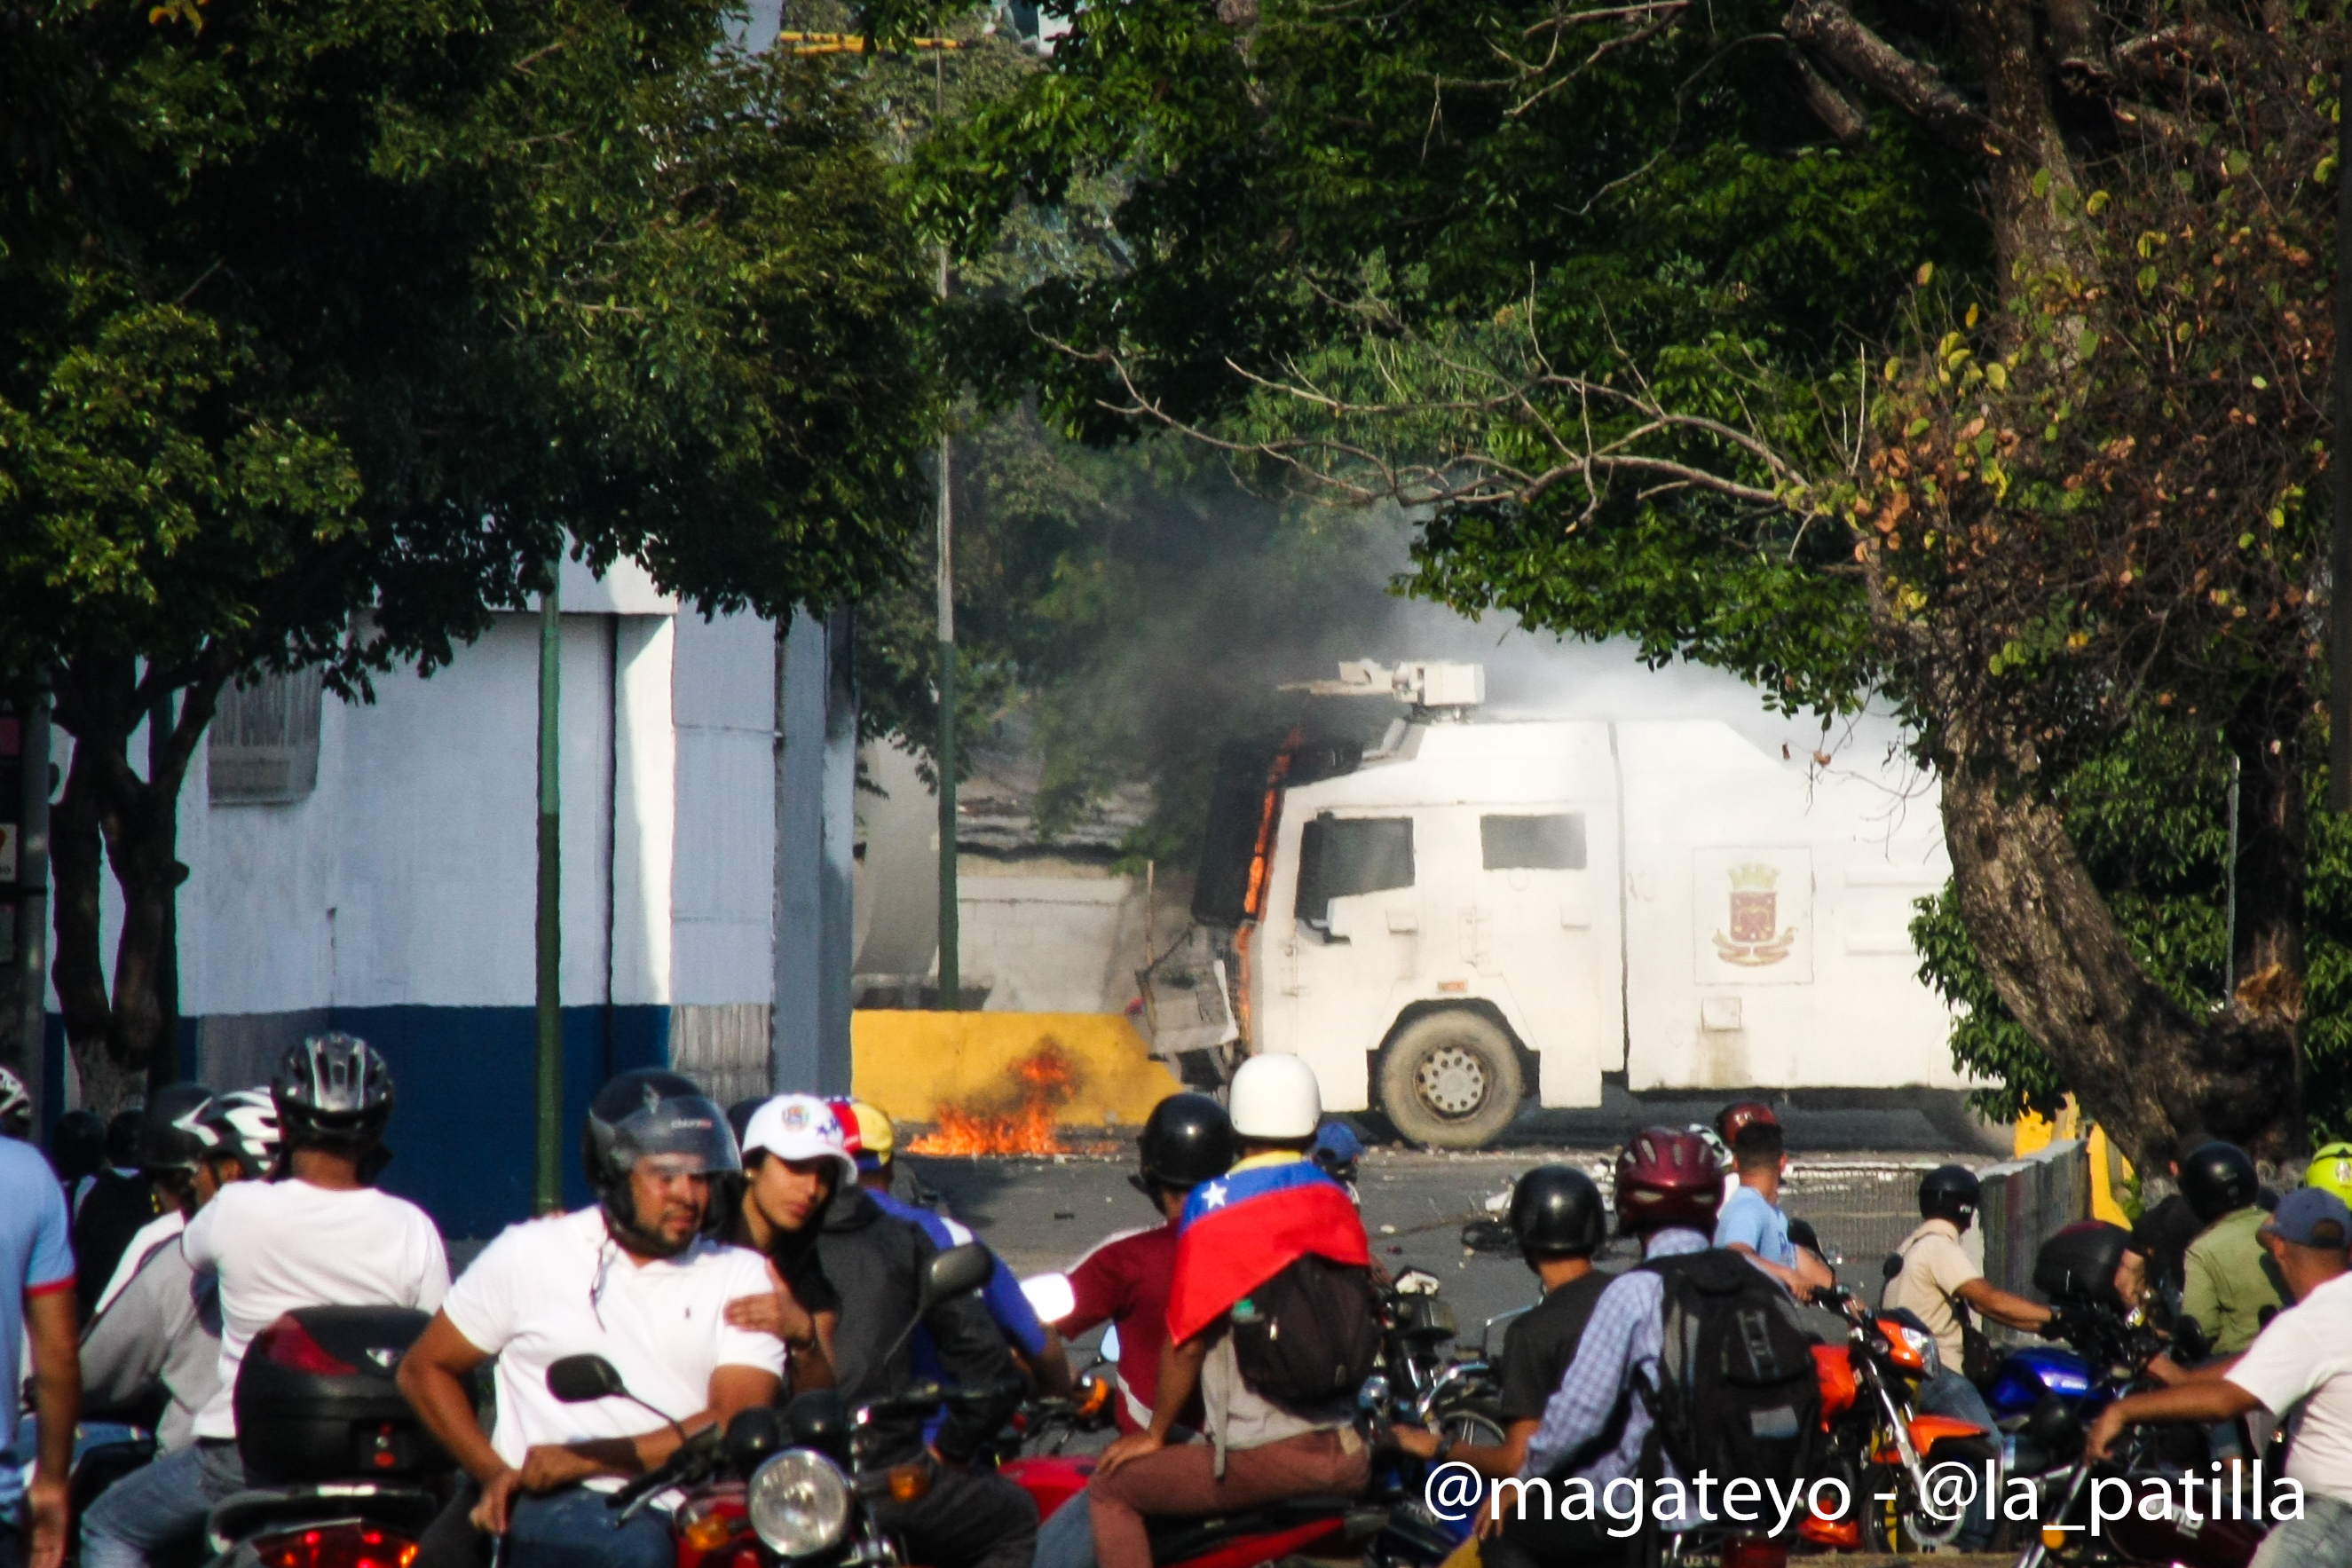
(1738, 1401)
(1271, 1315)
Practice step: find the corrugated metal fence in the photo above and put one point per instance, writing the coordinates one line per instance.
(2027, 1201)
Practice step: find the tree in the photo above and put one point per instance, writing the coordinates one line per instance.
(1973, 354)
(329, 326)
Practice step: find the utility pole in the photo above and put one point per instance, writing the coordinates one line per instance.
(950, 935)
(547, 1183)
(30, 812)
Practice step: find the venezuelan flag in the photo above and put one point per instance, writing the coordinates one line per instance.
(1247, 1226)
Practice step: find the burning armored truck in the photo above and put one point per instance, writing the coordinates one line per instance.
(1479, 908)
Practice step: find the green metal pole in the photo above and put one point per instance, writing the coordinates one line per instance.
(547, 1186)
(951, 938)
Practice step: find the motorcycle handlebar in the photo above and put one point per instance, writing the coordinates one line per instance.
(924, 1397)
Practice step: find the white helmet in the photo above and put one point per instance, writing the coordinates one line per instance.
(1276, 1096)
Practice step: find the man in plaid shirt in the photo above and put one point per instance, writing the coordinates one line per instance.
(1668, 1186)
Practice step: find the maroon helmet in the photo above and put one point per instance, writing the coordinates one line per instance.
(1732, 1119)
(1667, 1178)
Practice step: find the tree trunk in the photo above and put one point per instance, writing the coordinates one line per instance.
(109, 815)
(2159, 1079)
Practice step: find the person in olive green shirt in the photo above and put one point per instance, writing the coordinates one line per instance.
(2229, 1280)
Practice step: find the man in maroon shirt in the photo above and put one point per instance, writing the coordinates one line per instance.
(1124, 1281)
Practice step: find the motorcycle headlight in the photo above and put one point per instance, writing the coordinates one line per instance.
(1923, 1344)
(799, 1502)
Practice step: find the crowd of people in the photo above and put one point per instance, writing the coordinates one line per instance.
(732, 1259)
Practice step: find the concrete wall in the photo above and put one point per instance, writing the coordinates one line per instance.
(398, 900)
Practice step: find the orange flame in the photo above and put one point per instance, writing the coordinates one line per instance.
(1046, 1077)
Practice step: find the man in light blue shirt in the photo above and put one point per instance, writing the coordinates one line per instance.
(1751, 1222)
(36, 1307)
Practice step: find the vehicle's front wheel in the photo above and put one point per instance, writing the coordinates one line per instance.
(1451, 1079)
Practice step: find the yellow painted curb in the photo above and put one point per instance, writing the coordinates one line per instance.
(911, 1063)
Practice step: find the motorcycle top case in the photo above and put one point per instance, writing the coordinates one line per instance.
(316, 1398)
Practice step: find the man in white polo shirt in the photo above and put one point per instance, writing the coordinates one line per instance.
(631, 1279)
(2298, 1368)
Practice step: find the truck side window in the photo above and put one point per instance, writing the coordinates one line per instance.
(1339, 857)
(1555, 842)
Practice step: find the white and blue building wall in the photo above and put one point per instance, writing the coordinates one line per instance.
(396, 898)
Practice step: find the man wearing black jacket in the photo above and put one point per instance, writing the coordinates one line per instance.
(970, 1517)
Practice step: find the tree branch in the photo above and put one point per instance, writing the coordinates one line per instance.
(1830, 30)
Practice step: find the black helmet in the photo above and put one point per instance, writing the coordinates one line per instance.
(1555, 1211)
(169, 1136)
(2216, 1179)
(15, 1106)
(1187, 1139)
(641, 1114)
(738, 1117)
(76, 1145)
(332, 1090)
(1949, 1192)
(241, 1126)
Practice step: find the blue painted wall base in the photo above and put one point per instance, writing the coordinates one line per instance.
(461, 1132)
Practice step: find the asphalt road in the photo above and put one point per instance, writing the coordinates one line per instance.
(1044, 1214)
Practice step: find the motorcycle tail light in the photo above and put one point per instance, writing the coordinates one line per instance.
(1747, 1551)
(352, 1544)
(1837, 1534)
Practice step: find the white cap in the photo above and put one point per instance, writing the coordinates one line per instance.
(1276, 1096)
(799, 1128)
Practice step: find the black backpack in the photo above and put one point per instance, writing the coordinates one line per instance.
(1738, 1392)
(1310, 1334)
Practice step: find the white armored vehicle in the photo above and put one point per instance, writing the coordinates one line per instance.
(1478, 909)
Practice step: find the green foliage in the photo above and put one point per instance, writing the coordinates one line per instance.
(311, 308)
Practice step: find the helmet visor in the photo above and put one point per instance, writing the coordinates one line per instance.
(687, 1133)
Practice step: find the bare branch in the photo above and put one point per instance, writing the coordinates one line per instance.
(1839, 115)
(1832, 31)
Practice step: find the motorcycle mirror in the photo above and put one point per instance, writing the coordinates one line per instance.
(752, 1437)
(578, 1379)
(958, 1272)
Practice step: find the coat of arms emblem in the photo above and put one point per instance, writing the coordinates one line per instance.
(1757, 937)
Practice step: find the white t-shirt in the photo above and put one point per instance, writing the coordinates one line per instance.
(151, 1235)
(2305, 1357)
(561, 1286)
(280, 1245)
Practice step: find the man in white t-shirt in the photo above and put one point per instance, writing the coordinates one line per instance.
(321, 1238)
(2301, 1365)
(631, 1279)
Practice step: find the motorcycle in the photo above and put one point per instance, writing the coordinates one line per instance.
(2061, 1392)
(797, 1487)
(342, 1474)
(1877, 1441)
(1392, 1526)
